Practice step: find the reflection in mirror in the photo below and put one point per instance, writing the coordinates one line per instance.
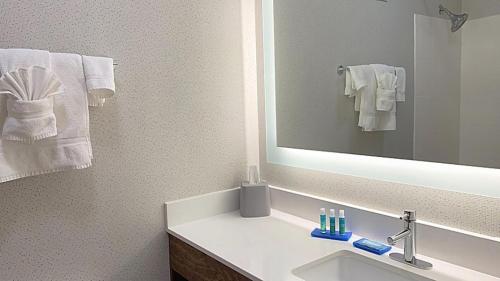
(422, 81)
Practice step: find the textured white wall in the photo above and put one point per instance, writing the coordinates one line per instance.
(174, 129)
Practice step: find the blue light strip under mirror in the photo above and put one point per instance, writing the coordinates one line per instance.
(466, 179)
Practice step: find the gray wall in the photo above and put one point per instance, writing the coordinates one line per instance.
(480, 114)
(480, 8)
(437, 90)
(312, 38)
(174, 129)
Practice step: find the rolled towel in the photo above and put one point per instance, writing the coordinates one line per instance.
(30, 104)
(100, 79)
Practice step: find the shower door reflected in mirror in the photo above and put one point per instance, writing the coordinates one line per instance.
(450, 106)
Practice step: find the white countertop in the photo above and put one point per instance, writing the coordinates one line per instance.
(270, 248)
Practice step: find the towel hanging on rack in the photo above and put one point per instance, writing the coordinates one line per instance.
(71, 147)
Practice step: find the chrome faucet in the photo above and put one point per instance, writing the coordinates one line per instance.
(409, 234)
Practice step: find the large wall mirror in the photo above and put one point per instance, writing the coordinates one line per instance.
(362, 86)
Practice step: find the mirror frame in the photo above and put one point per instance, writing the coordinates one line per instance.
(458, 178)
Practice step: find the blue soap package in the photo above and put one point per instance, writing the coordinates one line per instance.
(372, 246)
(333, 236)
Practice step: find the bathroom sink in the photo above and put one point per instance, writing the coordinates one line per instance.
(349, 266)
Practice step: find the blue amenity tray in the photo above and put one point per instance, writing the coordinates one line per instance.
(337, 236)
(372, 246)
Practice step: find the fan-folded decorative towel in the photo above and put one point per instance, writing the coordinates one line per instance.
(29, 84)
(71, 148)
(30, 103)
(100, 79)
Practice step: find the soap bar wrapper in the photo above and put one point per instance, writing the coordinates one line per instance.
(255, 200)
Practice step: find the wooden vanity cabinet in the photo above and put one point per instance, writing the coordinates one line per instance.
(190, 264)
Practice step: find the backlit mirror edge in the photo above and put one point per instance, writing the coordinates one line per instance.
(458, 178)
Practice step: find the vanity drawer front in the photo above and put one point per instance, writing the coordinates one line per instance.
(194, 265)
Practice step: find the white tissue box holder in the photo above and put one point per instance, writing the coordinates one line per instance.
(255, 200)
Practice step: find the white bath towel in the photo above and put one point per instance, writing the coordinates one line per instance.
(29, 85)
(71, 148)
(401, 84)
(99, 74)
(386, 87)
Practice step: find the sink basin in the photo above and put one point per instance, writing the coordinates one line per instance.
(349, 266)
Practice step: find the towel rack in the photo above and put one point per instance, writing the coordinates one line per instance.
(341, 70)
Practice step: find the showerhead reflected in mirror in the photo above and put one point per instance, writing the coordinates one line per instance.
(456, 20)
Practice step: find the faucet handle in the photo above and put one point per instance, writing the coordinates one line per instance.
(409, 215)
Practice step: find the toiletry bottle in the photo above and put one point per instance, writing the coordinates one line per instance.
(341, 222)
(322, 220)
(332, 221)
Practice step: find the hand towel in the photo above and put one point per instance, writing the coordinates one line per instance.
(71, 148)
(30, 85)
(350, 89)
(364, 85)
(401, 84)
(99, 74)
(30, 112)
(360, 78)
(386, 87)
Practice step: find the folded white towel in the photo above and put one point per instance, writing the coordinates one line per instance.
(364, 88)
(71, 148)
(30, 105)
(99, 74)
(359, 79)
(349, 86)
(385, 104)
(30, 91)
(401, 84)
(350, 89)
(12, 59)
(386, 87)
